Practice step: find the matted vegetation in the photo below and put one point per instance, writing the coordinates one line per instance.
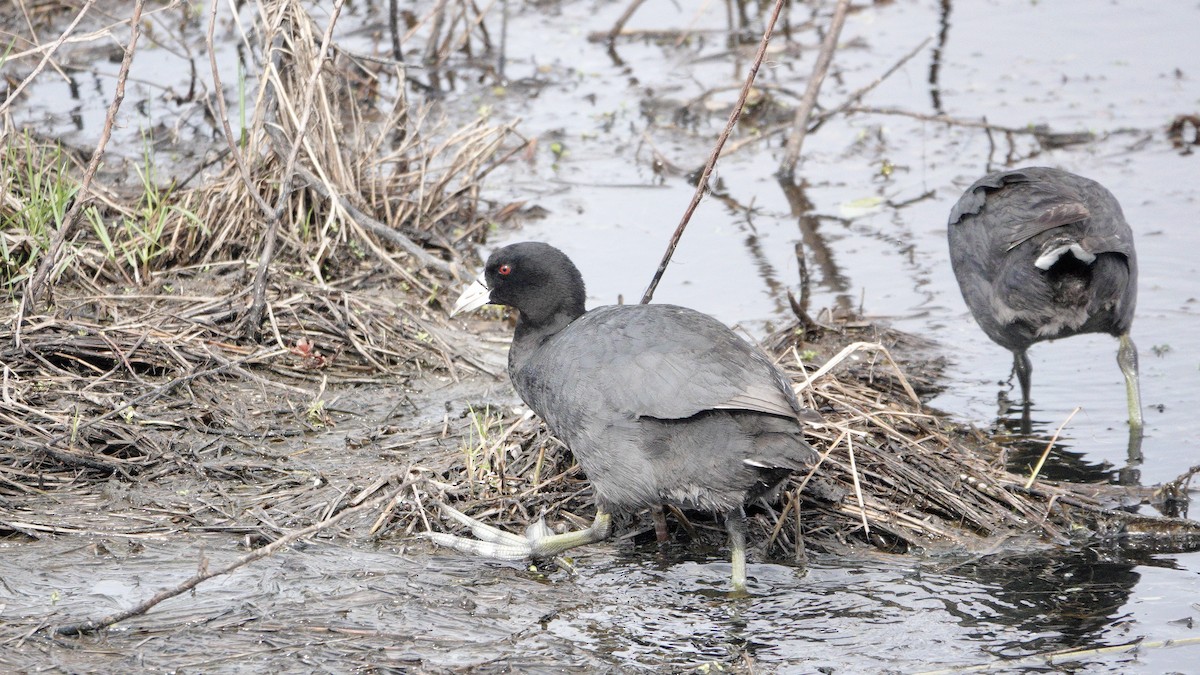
(319, 242)
(185, 326)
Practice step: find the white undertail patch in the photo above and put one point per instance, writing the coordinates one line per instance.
(1047, 259)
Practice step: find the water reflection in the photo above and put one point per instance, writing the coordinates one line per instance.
(935, 63)
(832, 276)
(1058, 601)
(884, 614)
(1026, 438)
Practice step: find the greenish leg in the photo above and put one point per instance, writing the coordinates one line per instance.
(735, 524)
(1127, 359)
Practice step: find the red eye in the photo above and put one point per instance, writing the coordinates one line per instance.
(503, 270)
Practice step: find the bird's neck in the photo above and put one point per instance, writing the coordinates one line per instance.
(530, 335)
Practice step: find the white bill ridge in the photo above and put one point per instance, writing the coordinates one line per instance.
(475, 296)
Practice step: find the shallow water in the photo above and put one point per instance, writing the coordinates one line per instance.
(328, 606)
(1111, 70)
(1120, 70)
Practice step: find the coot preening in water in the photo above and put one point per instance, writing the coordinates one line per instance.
(658, 403)
(1042, 254)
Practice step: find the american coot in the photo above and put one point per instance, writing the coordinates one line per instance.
(1042, 254)
(658, 403)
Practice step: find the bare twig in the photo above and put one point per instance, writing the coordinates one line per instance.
(800, 307)
(254, 315)
(857, 95)
(394, 27)
(943, 119)
(787, 170)
(623, 19)
(702, 182)
(205, 574)
(33, 290)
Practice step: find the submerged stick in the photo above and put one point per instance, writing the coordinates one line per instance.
(702, 182)
(1055, 658)
(205, 574)
(787, 170)
(858, 94)
(1046, 453)
(854, 98)
(622, 20)
(941, 118)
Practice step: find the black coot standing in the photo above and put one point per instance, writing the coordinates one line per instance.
(658, 403)
(1042, 254)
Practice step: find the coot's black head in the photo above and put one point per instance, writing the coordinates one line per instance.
(536, 279)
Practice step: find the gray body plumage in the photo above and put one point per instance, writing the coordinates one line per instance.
(1040, 254)
(662, 404)
(659, 404)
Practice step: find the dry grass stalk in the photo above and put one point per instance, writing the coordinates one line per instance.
(1049, 446)
(379, 182)
(138, 372)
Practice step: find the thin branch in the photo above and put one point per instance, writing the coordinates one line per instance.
(787, 170)
(702, 182)
(394, 27)
(205, 574)
(623, 19)
(853, 98)
(943, 119)
(864, 90)
(33, 290)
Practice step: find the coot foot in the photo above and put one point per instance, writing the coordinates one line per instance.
(538, 542)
